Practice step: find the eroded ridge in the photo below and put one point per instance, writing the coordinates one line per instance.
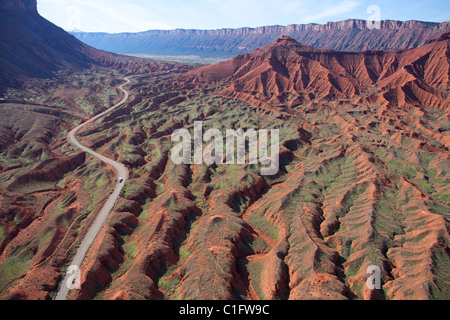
(363, 180)
(357, 186)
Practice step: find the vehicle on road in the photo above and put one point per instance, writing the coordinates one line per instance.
(120, 180)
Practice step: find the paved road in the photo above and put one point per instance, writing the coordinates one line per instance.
(109, 205)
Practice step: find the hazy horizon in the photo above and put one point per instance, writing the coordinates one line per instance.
(116, 16)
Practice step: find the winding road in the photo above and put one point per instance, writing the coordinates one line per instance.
(122, 172)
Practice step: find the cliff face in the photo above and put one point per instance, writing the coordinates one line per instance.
(349, 35)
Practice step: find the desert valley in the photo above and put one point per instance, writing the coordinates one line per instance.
(363, 180)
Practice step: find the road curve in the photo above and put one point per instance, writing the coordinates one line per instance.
(109, 205)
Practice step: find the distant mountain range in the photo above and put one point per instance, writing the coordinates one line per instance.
(349, 35)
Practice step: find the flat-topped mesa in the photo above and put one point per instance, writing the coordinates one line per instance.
(18, 5)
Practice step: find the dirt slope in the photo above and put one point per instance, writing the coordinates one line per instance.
(363, 181)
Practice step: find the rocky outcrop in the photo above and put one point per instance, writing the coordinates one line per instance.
(289, 74)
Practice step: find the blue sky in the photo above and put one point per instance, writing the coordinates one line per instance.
(140, 15)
